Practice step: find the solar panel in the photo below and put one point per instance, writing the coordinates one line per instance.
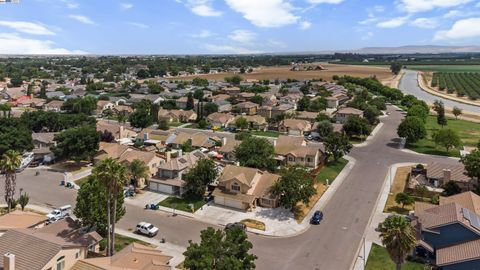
(475, 221)
(466, 213)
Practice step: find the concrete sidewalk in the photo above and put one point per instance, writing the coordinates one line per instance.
(371, 235)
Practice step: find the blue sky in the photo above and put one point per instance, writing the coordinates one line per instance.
(232, 26)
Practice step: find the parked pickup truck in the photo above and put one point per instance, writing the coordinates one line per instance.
(59, 213)
(146, 229)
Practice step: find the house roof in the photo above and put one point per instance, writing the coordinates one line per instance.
(349, 110)
(257, 119)
(44, 137)
(247, 105)
(468, 199)
(154, 134)
(436, 170)
(20, 219)
(113, 150)
(463, 252)
(296, 124)
(307, 115)
(229, 146)
(244, 175)
(285, 144)
(132, 154)
(183, 162)
(220, 117)
(265, 183)
(55, 104)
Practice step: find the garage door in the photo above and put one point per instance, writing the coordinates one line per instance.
(157, 187)
(233, 203)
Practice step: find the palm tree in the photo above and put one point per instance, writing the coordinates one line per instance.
(398, 236)
(122, 117)
(113, 176)
(10, 162)
(137, 170)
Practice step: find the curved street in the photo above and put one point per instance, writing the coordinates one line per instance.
(409, 85)
(331, 245)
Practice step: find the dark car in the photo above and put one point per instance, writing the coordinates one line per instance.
(238, 225)
(316, 218)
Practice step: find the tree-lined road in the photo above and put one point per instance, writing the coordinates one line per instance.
(331, 245)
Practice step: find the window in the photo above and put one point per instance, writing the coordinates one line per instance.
(235, 187)
(302, 159)
(266, 201)
(61, 263)
(291, 159)
(77, 255)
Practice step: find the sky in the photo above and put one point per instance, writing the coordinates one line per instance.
(232, 26)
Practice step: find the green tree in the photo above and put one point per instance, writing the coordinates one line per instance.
(379, 103)
(198, 94)
(396, 68)
(137, 169)
(398, 236)
(322, 117)
(141, 118)
(220, 250)
(10, 162)
(295, 185)
(412, 128)
(418, 111)
(77, 144)
(356, 126)
(440, 109)
(371, 113)
(241, 123)
(257, 99)
(472, 164)
(451, 188)
(457, 112)
(337, 145)
(187, 146)
(112, 176)
(84, 105)
(303, 104)
(324, 129)
(210, 108)
(404, 199)
(14, 135)
(163, 124)
(200, 176)
(447, 138)
(255, 152)
(317, 105)
(200, 82)
(190, 102)
(23, 200)
(235, 80)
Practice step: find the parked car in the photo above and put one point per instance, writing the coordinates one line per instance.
(146, 229)
(59, 213)
(316, 218)
(234, 225)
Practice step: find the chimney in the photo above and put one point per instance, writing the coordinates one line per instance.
(145, 136)
(274, 143)
(121, 132)
(224, 141)
(8, 261)
(168, 156)
(447, 175)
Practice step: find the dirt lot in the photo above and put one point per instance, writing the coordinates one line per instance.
(284, 72)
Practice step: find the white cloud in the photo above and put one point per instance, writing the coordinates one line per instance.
(242, 36)
(70, 4)
(27, 27)
(138, 25)
(379, 8)
(265, 13)
(427, 23)
(14, 44)
(305, 25)
(367, 36)
(393, 23)
(126, 6)
(82, 19)
(413, 6)
(202, 8)
(467, 28)
(203, 34)
(227, 49)
(325, 1)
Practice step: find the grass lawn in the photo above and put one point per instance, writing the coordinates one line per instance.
(378, 259)
(267, 133)
(447, 68)
(123, 241)
(182, 204)
(331, 171)
(80, 181)
(398, 186)
(469, 133)
(175, 124)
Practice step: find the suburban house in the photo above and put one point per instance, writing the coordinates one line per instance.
(180, 116)
(293, 150)
(169, 178)
(198, 140)
(133, 257)
(181, 103)
(244, 188)
(256, 122)
(57, 246)
(248, 108)
(219, 120)
(228, 148)
(103, 105)
(21, 220)
(438, 174)
(337, 100)
(272, 112)
(342, 114)
(232, 90)
(42, 141)
(449, 234)
(294, 127)
(155, 137)
(309, 116)
(53, 106)
(223, 105)
(118, 131)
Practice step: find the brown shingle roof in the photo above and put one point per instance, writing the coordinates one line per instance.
(459, 253)
(183, 162)
(436, 170)
(20, 219)
(229, 146)
(467, 199)
(296, 124)
(243, 174)
(349, 110)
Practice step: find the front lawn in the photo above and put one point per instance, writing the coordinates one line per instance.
(469, 133)
(267, 133)
(331, 171)
(182, 204)
(378, 259)
(175, 124)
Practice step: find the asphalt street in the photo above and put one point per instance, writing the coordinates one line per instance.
(330, 245)
(409, 85)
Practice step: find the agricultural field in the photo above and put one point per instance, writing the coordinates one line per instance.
(446, 68)
(284, 72)
(461, 83)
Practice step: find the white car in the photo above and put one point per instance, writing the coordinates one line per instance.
(146, 229)
(59, 213)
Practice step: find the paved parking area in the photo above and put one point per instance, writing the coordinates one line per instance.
(147, 197)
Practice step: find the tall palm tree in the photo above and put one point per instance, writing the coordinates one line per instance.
(398, 236)
(113, 176)
(10, 162)
(138, 169)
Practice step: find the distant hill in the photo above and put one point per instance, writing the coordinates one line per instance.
(418, 49)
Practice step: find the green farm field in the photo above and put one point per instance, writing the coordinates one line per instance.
(447, 68)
